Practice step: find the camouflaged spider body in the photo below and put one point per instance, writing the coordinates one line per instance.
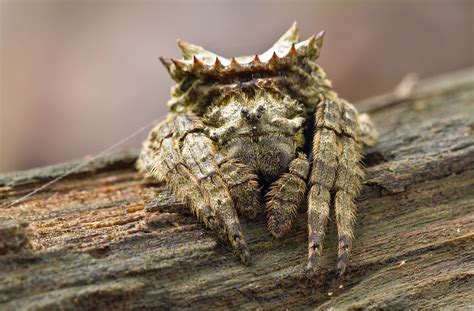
(268, 120)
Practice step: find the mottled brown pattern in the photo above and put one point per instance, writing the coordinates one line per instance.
(93, 242)
(238, 127)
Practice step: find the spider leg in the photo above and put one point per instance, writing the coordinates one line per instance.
(243, 187)
(323, 174)
(180, 153)
(286, 195)
(368, 133)
(347, 185)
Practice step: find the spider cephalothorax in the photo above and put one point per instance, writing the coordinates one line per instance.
(238, 124)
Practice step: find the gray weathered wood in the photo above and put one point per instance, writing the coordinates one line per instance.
(91, 243)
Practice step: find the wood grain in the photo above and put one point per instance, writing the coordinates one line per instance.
(91, 241)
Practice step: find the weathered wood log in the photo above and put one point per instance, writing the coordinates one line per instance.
(92, 242)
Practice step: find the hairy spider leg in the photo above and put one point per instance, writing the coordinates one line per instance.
(286, 195)
(181, 154)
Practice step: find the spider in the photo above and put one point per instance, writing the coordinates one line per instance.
(261, 134)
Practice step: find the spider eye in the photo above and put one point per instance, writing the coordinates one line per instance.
(245, 112)
(214, 136)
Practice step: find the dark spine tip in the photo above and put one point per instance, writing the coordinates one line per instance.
(217, 64)
(256, 60)
(166, 62)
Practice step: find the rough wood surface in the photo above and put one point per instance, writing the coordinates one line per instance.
(91, 242)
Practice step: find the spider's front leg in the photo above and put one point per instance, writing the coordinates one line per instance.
(286, 195)
(337, 151)
(323, 174)
(181, 154)
(243, 187)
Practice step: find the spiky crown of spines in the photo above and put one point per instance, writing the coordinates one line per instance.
(197, 61)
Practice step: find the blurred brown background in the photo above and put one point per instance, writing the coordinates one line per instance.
(77, 76)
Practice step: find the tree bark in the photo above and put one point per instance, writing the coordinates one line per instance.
(91, 240)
